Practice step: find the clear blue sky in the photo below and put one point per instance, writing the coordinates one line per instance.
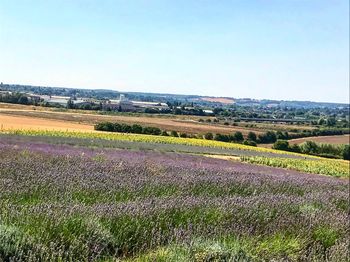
(278, 49)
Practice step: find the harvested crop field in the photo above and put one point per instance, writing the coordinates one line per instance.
(342, 139)
(222, 100)
(78, 203)
(10, 122)
(186, 126)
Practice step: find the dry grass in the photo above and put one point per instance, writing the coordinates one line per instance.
(8, 122)
(179, 123)
(218, 100)
(342, 139)
(186, 125)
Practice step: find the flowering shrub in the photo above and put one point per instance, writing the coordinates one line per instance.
(61, 202)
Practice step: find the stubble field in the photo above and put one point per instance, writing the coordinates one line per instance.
(338, 140)
(185, 124)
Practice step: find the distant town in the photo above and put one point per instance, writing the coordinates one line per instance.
(225, 109)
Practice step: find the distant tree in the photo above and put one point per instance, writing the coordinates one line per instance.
(184, 135)
(238, 137)
(251, 136)
(249, 143)
(125, 128)
(165, 133)
(331, 121)
(281, 145)
(178, 111)
(309, 147)
(346, 152)
(152, 110)
(152, 130)
(281, 135)
(221, 137)
(86, 107)
(137, 129)
(70, 104)
(295, 148)
(174, 133)
(105, 126)
(209, 136)
(268, 137)
(217, 110)
(23, 100)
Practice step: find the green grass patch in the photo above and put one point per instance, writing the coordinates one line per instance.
(326, 235)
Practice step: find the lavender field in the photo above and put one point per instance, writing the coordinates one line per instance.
(64, 202)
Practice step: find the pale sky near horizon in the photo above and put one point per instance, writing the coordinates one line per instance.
(273, 49)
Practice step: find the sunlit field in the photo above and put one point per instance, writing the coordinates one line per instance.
(63, 198)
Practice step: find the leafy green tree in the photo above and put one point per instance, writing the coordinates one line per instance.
(222, 138)
(309, 147)
(178, 111)
(184, 135)
(331, 121)
(281, 145)
(238, 136)
(209, 136)
(174, 134)
(295, 148)
(137, 129)
(125, 128)
(23, 100)
(321, 121)
(346, 152)
(152, 130)
(165, 133)
(249, 143)
(268, 137)
(251, 136)
(282, 135)
(105, 126)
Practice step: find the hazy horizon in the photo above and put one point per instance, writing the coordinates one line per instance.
(279, 50)
(186, 94)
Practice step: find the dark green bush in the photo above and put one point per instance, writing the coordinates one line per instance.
(281, 145)
(174, 134)
(209, 136)
(251, 136)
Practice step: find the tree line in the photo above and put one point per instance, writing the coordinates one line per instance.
(317, 149)
(278, 138)
(236, 137)
(125, 128)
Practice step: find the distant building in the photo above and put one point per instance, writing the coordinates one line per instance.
(154, 105)
(122, 97)
(124, 104)
(61, 100)
(3, 93)
(208, 112)
(34, 98)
